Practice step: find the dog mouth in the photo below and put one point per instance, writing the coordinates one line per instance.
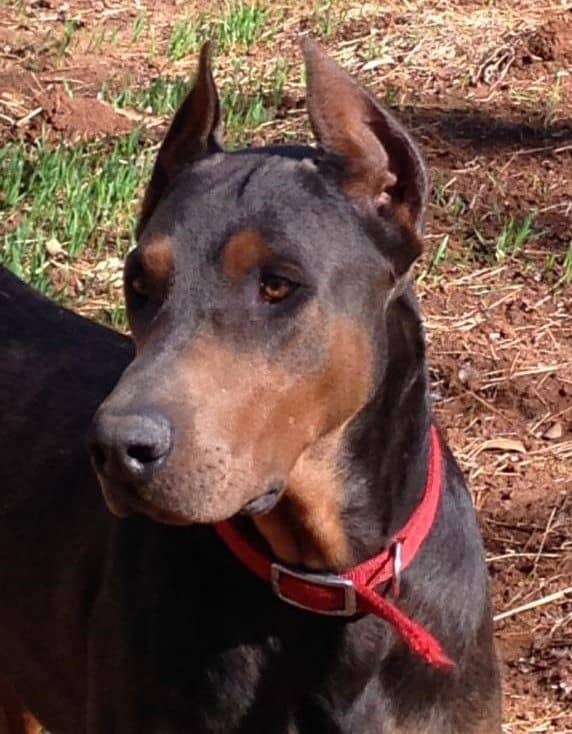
(124, 500)
(266, 502)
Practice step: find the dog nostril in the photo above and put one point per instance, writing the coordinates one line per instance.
(130, 447)
(143, 441)
(145, 453)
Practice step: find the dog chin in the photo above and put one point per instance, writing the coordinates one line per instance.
(124, 501)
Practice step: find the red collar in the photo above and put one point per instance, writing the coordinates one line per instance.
(354, 591)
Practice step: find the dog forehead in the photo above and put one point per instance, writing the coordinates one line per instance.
(300, 214)
(253, 178)
(223, 188)
(260, 177)
(285, 196)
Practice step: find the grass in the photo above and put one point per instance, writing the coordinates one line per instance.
(567, 266)
(440, 254)
(161, 96)
(513, 236)
(557, 268)
(139, 26)
(242, 114)
(243, 111)
(58, 201)
(511, 239)
(103, 37)
(62, 45)
(186, 37)
(238, 28)
(328, 16)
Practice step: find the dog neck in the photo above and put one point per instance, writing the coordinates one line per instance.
(353, 488)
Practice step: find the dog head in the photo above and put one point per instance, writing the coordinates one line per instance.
(256, 297)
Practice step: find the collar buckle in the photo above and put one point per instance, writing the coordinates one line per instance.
(397, 556)
(323, 580)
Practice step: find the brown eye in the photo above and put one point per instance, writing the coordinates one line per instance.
(274, 288)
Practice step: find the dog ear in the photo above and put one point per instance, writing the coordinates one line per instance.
(383, 169)
(194, 132)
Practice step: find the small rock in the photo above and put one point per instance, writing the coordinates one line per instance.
(468, 375)
(54, 247)
(554, 432)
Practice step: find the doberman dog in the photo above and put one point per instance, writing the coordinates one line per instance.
(267, 444)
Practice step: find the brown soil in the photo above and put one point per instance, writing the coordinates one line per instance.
(487, 90)
(82, 117)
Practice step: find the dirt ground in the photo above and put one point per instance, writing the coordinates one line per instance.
(486, 88)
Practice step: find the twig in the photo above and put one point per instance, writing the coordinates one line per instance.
(534, 604)
(503, 556)
(29, 116)
(547, 530)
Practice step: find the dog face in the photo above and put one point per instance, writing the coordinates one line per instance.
(256, 296)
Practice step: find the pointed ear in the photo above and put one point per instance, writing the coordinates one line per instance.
(383, 168)
(194, 132)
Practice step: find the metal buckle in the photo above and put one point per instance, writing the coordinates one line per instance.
(397, 568)
(320, 579)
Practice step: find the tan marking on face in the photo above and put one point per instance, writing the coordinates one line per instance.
(243, 419)
(243, 252)
(306, 528)
(157, 257)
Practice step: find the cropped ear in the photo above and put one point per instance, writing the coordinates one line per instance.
(194, 132)
(383, 168)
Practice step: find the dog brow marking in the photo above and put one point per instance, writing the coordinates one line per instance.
(157, 256)
(244, 250)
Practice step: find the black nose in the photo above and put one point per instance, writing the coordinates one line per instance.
(129, 447)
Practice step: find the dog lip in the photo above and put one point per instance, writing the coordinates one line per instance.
(266, 502)
(123, 501)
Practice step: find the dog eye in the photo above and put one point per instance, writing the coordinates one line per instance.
(275, 288)
(140, 286)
